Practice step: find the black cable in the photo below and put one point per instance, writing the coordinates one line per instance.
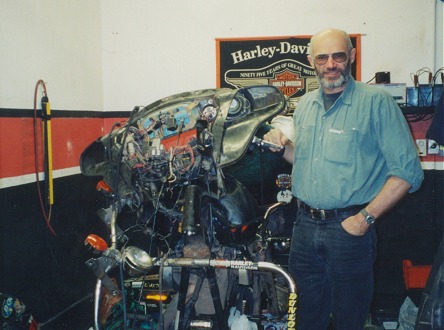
(122, 283)
(435, 76)
(371, 79)
(413, 118)
(89, 296)
(156, 209)
(160, 322)
(109, 153)
(120, 156)
(46, 216)
(116, 198)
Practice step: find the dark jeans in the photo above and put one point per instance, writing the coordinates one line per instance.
(333, 271)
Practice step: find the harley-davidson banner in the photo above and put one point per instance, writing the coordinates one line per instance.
(276, 61)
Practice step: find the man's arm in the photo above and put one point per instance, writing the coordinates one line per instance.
(391, 193)
(289, 152)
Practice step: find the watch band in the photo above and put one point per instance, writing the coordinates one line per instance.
(369, 219)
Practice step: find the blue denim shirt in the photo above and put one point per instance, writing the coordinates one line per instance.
(345, 155)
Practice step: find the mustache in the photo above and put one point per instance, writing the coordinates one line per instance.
(332, 70)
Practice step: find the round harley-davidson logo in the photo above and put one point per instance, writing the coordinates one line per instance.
(288, 82)
(283, 181)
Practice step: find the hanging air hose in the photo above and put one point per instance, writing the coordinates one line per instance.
(46, 206)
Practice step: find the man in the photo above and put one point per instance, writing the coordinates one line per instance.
(353, 159)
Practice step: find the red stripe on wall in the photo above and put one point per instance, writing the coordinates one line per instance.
(70, 136)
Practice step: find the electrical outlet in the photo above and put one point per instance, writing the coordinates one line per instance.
(421, 145)
(433, 147)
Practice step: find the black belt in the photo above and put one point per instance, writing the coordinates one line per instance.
(319, 214)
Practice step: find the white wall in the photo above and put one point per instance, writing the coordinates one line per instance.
(156, 48)
(58, 41)
(439, 36)
(114, 54)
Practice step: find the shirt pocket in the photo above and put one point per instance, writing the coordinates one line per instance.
(340, 146)
(303, 140)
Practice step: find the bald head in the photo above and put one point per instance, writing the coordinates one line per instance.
(330, 36)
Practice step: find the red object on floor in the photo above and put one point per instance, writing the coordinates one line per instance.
(415, 277)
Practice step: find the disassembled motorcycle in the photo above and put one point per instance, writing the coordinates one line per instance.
(204, 262)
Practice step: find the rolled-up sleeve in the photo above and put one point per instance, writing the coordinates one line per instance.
(285, 124)
(397, 145)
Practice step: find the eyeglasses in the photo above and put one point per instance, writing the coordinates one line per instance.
(339, 57)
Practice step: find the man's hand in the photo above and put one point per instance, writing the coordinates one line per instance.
(276, 136)
(355, 225)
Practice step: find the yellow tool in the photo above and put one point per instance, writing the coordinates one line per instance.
(46, 109)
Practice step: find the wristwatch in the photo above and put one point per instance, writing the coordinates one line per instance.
(369, 219)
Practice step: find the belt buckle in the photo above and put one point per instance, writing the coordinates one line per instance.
(321, 213)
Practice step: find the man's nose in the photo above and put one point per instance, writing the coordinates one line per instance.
(331, 63)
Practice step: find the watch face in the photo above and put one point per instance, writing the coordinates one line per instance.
(369, 219)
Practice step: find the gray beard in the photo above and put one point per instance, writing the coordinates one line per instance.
(332, 84)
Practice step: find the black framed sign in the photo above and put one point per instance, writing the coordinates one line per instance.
(277, 61)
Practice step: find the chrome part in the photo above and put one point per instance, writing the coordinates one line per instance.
(136, 261)
(97, 293)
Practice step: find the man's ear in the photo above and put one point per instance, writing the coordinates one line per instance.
(352, 55)
(310, 59)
